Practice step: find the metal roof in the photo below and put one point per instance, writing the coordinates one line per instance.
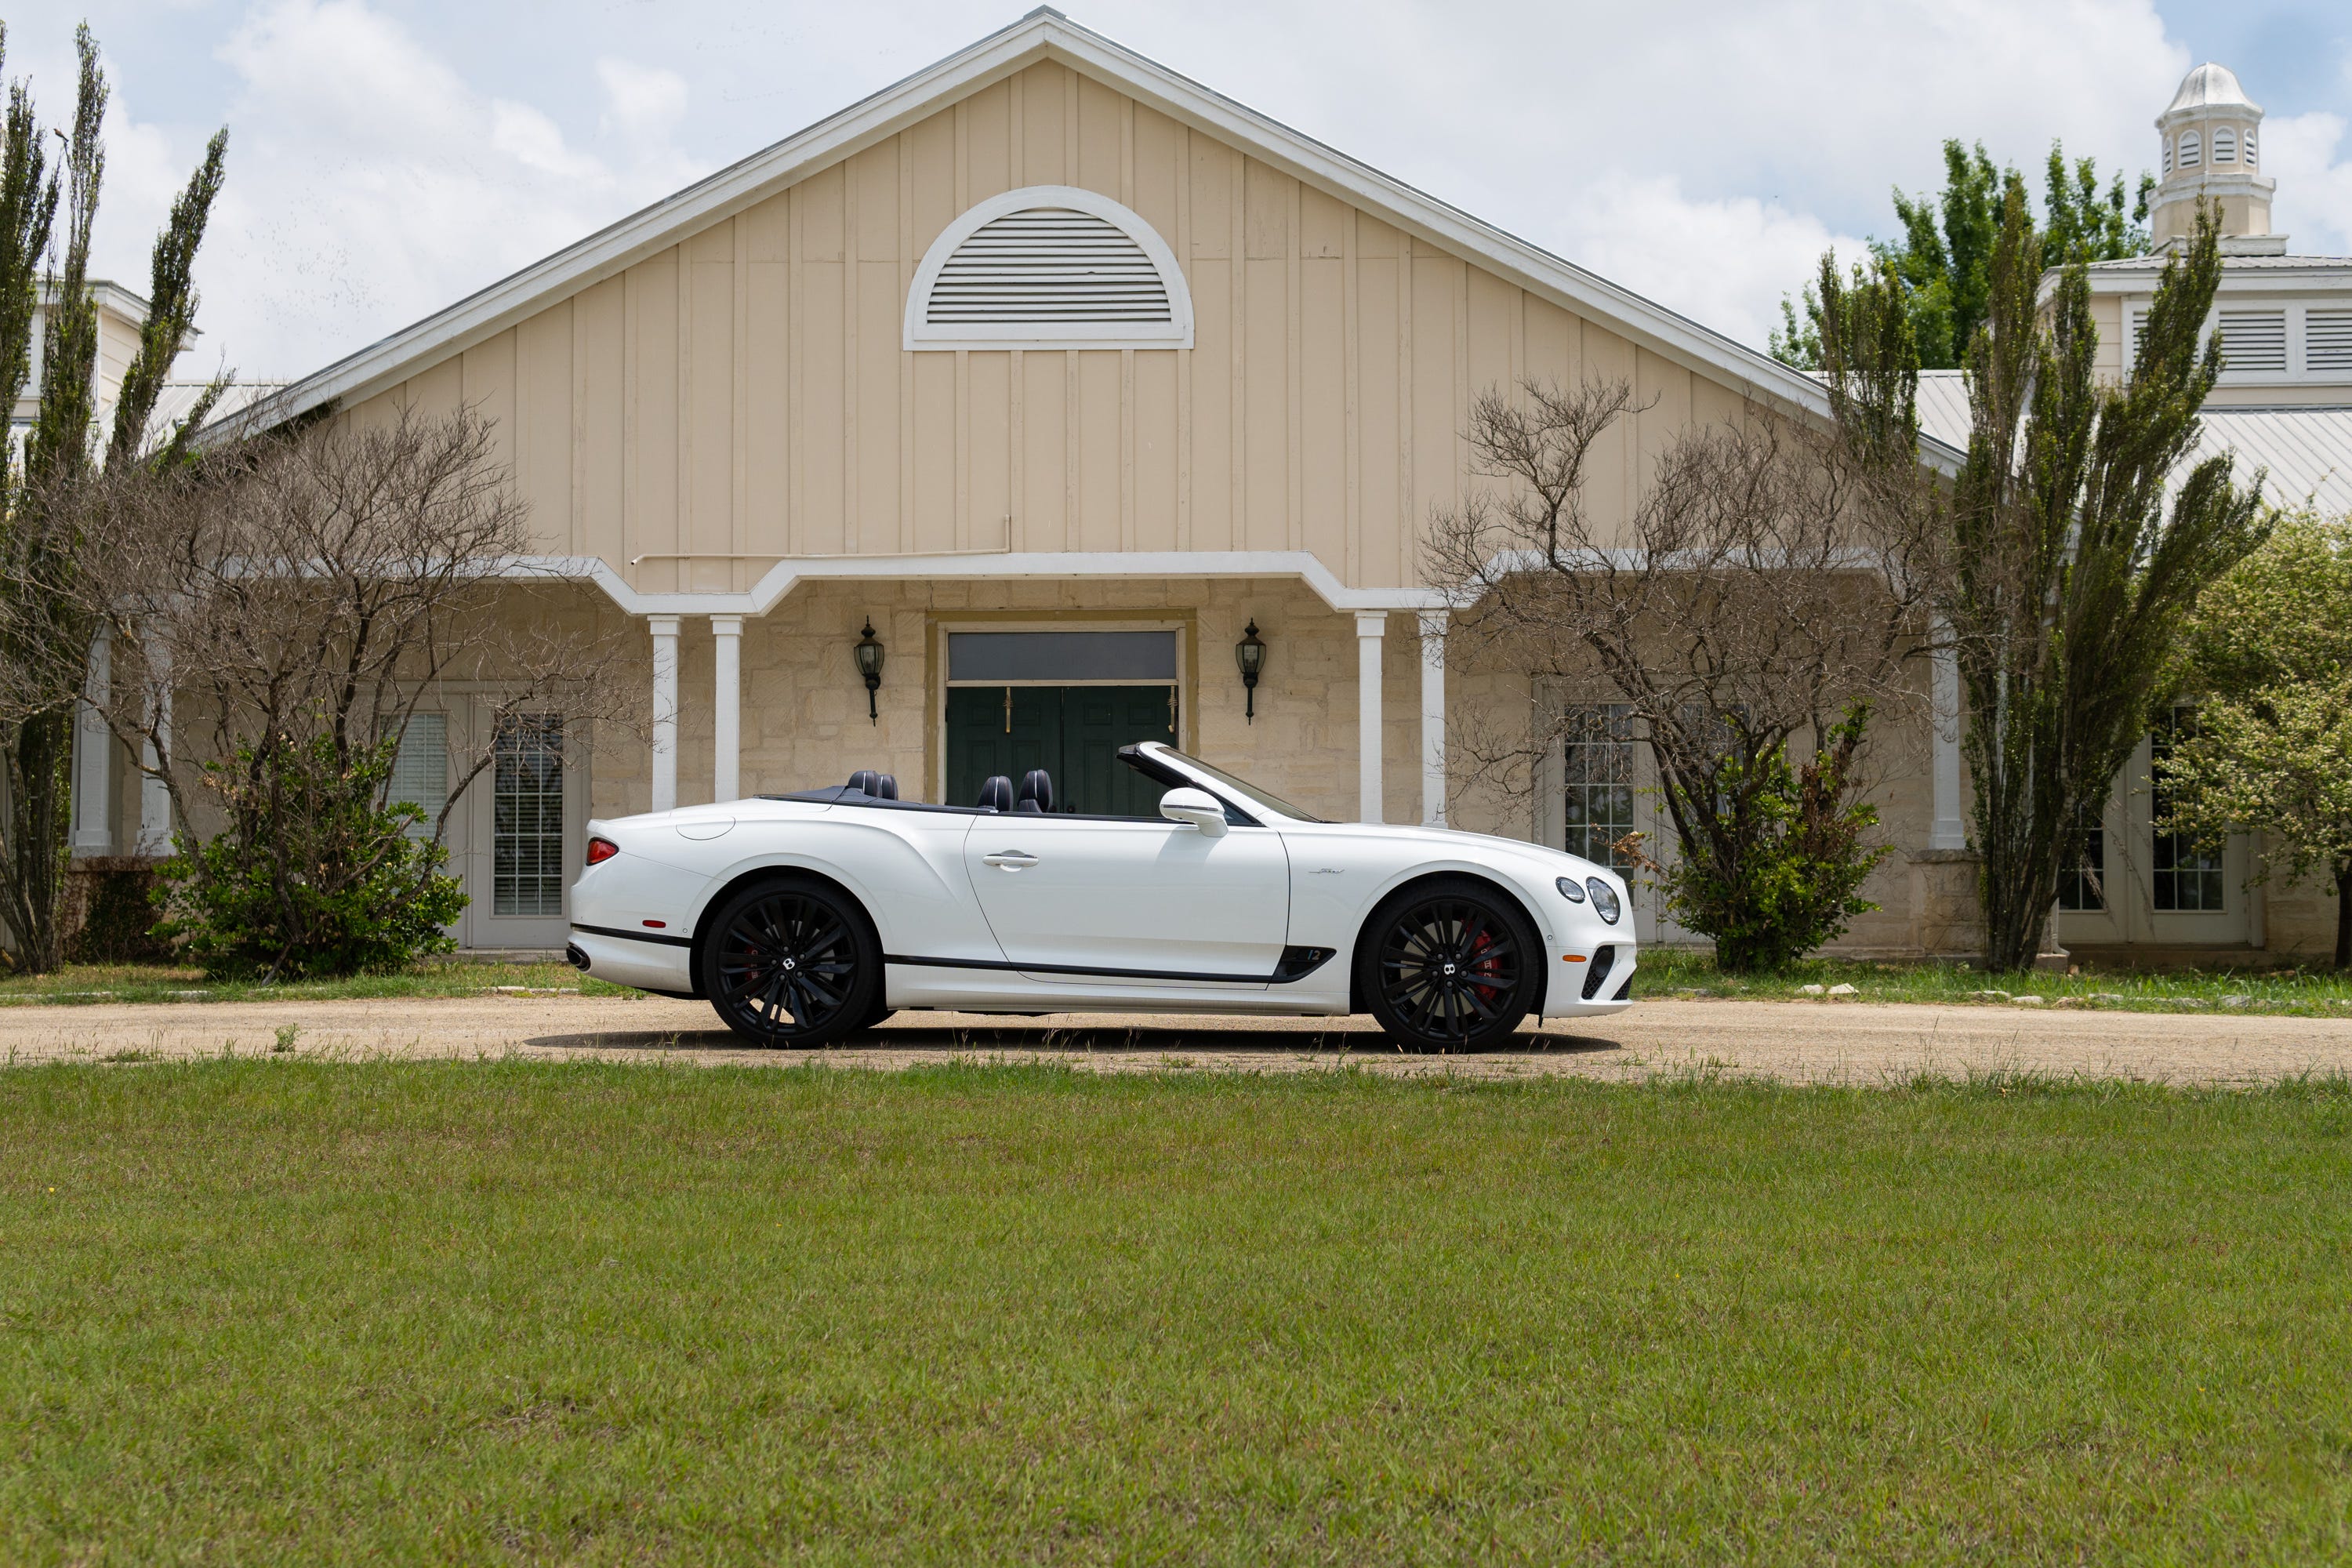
(2306, 451)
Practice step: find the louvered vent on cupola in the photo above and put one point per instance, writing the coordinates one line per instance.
(1049, 268)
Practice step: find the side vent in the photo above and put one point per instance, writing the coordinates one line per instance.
(1596, 973)
(2327, 341)
(2253, 340)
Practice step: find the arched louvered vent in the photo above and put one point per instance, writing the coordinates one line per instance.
(1049, 267)
(1047, 264)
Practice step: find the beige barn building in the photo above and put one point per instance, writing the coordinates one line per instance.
(1064, 375)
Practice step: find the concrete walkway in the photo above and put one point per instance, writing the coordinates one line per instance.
(1809, 1042)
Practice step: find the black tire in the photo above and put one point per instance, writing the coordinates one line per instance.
(1448, 965)
(792, 962)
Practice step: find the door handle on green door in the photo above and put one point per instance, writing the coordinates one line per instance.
(1010, 859)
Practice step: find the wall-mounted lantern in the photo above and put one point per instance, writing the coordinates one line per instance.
(869, 654)
(1250, 654)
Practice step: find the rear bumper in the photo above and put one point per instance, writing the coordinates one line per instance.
(650, 962)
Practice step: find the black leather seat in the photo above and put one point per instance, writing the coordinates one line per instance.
(996, 794)
(889, 787)
(879, 786)
(1036, 792)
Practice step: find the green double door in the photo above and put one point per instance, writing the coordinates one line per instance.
(1074, 732)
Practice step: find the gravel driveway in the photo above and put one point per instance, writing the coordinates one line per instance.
(1809, 1042)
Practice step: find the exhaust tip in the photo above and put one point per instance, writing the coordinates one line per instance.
(575, 957)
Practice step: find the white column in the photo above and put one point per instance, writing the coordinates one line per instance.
(93, 762)
(155, 795)
(1372, 625)
(1944, 701)
(727, 711)
(665, 631)
(1432, 717)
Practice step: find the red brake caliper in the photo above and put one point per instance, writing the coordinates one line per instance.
(1487, 993)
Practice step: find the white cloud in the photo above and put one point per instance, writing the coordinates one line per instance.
(641, 100)
(2314, 206)
(1724, 264)
(371, 183)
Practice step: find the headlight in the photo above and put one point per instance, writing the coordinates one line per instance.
(1604, 900)
(1569, 889)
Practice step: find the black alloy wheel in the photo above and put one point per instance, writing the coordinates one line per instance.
(792, 963)
(1448, 966)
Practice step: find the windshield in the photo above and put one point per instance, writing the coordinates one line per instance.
(1243, 788)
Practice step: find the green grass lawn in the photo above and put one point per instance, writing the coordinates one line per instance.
(292, 1311)
(93, 984)
(2311, 993)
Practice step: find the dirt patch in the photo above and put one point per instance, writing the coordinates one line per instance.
(1806, 1042)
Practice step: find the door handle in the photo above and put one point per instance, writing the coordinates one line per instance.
(1011, 860)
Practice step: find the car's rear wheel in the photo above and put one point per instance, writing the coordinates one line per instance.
(792, 962)
(1448, 965)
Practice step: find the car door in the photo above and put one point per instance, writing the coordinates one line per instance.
(1081, 899)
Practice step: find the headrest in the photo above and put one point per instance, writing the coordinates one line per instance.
(865, 780)
(1037, 785)
(996, 794)
(889, 787)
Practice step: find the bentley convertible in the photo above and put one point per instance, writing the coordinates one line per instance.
(807, 918)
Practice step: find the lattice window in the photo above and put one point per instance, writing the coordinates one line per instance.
(1599, 773)
(527, 816)
(2083, 874)
(2185, 874)
(1049, 267)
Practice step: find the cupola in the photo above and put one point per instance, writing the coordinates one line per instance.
(2211, 150)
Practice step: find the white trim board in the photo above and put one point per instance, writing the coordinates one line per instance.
(1044, 33)
(787, 574)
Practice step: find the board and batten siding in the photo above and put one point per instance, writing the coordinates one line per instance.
(745, 392)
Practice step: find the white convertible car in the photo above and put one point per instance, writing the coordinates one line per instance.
(806, 918)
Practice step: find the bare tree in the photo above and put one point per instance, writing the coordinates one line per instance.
(283, 609)
(1766, 589)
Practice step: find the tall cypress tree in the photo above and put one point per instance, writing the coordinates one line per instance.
(2073, 563)
(46, 274)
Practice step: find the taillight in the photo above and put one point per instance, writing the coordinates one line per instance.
(601, 850)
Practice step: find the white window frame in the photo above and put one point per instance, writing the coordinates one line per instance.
(921, 334)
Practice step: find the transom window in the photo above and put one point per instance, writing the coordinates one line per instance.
(1049, 267)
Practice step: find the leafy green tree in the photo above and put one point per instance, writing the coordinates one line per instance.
(45, 627)
(2269, 658)
(2067, 580)
(1942, 266)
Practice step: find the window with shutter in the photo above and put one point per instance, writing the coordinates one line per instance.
(1049, 267)
(2327, 341)
(2225, 145)
(2191, 149)
(2249, 146)
(2253, 340)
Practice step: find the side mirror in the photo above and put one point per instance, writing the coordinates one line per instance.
(1196, 807)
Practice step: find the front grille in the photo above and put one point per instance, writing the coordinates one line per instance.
(1624, 989)
(1596, 973)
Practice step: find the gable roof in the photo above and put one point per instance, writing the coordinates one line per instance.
(1043, 35)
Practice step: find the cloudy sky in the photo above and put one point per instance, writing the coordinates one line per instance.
(388, 158)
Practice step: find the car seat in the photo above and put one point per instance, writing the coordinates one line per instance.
(996, 794)
(1036, 792)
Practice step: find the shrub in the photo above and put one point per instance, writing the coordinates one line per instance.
(315, 873)
(1794, 883)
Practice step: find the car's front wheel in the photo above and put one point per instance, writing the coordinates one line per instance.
(792, 962)
(1448, 965)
